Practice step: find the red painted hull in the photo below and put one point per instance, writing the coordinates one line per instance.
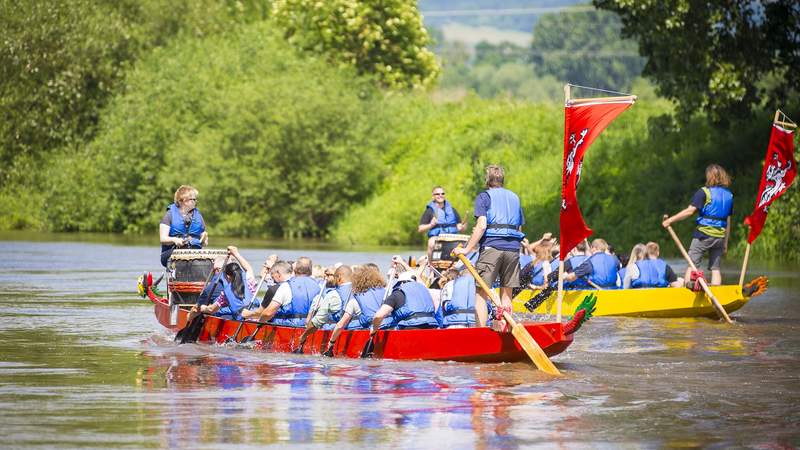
(453, 344)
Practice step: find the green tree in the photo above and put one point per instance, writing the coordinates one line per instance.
(585, 47)
(384, 38)
(725, 58)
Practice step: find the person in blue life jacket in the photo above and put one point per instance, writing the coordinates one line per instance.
(327, 308)
(576, 257)
(368, 292)
(713, 204)
(182, 225)
(290, 305)
(410, 305)
(498, 234)
(238, 288)
(630, 270)
(601, 268)
(439, 217)
(654, 271)
(213, 288)
(458, 300)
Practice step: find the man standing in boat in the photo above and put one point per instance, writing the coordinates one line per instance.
(440, 217)
(714, 205)
(498, 231)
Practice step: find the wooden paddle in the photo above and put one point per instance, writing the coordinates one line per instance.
(518, 330)
(720, 310)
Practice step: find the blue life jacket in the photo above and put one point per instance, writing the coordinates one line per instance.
(235, 304)
(538, 273)
(604, 270)
(418, 310)
(524, 260)
(504, 216)
(304, 289)
(344, 292)
(652, 273)
(580, 283)
(460, 309)
(621, 274)
(718, 206)
(445, 219)
(211, 291)
(177, 227)
(369, 302)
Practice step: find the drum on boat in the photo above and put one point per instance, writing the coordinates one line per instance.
(187, 271)
(443, 245)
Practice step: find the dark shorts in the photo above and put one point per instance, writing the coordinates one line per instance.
(714, 246)
(503, 264)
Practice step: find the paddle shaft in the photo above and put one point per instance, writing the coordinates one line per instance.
(519, 332)
(720, 310)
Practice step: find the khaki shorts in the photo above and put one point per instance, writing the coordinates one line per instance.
(503, 264)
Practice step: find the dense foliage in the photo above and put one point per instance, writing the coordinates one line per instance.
(724, 58)
(380, 37)
(60, 62)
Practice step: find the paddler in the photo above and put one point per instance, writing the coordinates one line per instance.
(654, 271)
(238, 288)
(182, 225)
(498, 232)
(440, 217)
(328, 306)
(410, 305)
(600, 269)
(714, 205)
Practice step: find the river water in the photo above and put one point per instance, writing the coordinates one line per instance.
(83, 363)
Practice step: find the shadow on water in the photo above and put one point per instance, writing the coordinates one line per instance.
(85, 364)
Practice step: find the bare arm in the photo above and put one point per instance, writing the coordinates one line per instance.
(686, 213)
(234, 251)
(337, 330)
(382, 312)
(163, 234)
(727, 235)
(269, 313)
(477, 234)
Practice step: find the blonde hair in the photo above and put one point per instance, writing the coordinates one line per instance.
(717, 176)
(542, 252)
(637, 254)
(600, 245)
(183, 191)
(365, 279)
(653, 249)
(495, 176)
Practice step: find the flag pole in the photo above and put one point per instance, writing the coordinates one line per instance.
(744, 265)
(561, 261)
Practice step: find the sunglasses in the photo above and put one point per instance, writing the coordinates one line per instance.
(438, 193)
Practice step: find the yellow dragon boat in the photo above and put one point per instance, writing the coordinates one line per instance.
(652, 302)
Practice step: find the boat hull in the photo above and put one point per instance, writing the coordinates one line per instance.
(655, 302)
(452, 344)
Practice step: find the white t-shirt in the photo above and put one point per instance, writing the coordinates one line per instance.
(352, 308)
(283, 295)
(631, 274)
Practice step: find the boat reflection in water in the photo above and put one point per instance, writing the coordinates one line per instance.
(235, 397)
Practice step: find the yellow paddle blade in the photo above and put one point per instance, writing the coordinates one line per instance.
(533, 350)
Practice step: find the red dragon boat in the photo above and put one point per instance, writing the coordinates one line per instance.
(448, 344)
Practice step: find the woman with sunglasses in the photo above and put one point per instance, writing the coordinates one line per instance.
(182, 226)
(440, 217)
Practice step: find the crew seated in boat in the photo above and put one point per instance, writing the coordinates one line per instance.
(600, 269)
(543, 264)
(327, 308)
(213, 288)
(238, 289)
(410, 305)
(182, 226)
(654, 271)
(439, 218)
(369, 290)
(289, 307)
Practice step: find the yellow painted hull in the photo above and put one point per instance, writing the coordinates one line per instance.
(655, 302)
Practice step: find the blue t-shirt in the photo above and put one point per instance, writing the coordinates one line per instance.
(482, 204)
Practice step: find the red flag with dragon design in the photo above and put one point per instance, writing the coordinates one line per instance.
(779, 172)
(584, 120)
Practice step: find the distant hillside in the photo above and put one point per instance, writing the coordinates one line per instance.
(506, 15)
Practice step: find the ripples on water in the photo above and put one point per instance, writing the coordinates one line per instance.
(85, 364)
